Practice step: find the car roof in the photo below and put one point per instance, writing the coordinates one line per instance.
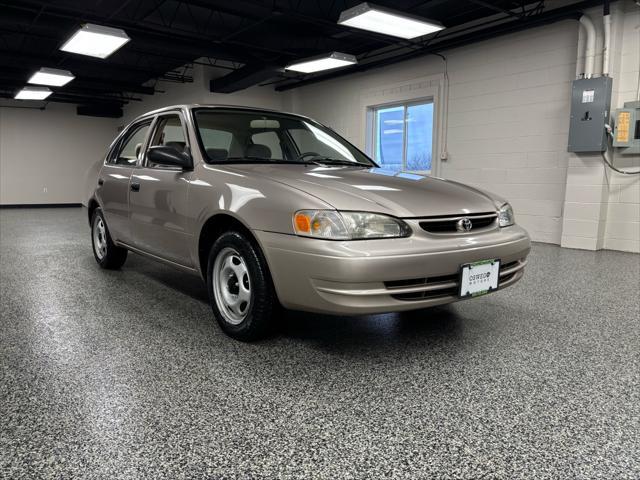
(191, 106)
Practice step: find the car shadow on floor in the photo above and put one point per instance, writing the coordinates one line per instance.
(435, 324)
(438, 324)
(185, 283)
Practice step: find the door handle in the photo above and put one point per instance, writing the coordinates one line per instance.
(135, 187)
(100, 182)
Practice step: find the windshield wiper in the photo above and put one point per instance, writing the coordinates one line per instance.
(322, 161)
(251, 159)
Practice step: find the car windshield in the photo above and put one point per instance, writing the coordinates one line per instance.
(232, 136)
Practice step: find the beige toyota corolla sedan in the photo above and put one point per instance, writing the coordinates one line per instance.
(276, 209)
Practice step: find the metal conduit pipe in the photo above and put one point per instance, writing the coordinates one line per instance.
(606, 21)
(590, 51)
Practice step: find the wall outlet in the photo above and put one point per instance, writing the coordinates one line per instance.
(44, 190)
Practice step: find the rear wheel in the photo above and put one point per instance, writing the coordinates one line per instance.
(240, 288)
(106, 253)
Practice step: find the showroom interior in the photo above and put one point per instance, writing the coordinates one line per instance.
(124, 373)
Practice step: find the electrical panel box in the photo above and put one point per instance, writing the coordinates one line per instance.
(626, 133)
(590, 104)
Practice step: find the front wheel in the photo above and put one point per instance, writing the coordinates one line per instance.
(240, 288)
(106, 253)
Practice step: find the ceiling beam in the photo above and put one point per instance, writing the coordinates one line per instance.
(495, 8)
(242, 78)
(104, 111)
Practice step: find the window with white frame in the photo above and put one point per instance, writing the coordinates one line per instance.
(403, 136)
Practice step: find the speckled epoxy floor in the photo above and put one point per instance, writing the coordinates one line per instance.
(124, 375)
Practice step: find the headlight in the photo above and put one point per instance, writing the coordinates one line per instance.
(505, 215)
(334, 225)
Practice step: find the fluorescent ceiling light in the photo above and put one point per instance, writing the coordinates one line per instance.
(33, 93)
(389, 22)
(322, 62)
(95, 41)
(51, 76)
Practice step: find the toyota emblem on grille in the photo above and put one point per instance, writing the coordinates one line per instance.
(464, 225)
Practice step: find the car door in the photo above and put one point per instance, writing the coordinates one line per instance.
(113, 181)
(158, 197)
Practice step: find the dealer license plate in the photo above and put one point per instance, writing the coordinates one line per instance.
(479, 278)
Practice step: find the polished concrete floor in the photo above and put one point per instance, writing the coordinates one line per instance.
(124, 375)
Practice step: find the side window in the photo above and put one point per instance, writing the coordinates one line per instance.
(271, 140)
(169, 132)
(131, 145)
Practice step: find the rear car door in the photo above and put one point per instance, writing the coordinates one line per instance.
(113, 181)
(158, 197)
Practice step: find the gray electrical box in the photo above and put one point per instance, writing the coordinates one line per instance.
(590, 104)
(626, 133)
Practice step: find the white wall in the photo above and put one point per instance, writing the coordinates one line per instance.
(508, 115)
(44, 155)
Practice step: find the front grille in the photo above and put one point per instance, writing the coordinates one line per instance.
(441, 286)
(447, 292)
(414, 282)
(448, 224)
(445, 285)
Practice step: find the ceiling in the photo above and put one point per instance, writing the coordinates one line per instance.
(251, 39)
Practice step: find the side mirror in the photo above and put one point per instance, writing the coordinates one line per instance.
(163, 155)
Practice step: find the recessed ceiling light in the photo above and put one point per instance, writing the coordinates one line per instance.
(95, 41)
(33, 93)
(389, 22)
(51, 76)
(322, 62)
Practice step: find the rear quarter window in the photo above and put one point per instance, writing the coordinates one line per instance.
(129, 148)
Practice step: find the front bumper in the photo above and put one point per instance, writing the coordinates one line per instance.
(376, 276)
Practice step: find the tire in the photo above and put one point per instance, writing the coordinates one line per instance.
(240, 288)
(106, 253)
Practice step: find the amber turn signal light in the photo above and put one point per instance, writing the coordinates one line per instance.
(303, 223)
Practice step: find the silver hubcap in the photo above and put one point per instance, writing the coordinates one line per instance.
(231, 286)
(100, 238)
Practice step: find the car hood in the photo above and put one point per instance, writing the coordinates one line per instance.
(377, 190)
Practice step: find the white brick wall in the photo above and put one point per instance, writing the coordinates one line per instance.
(623, 214)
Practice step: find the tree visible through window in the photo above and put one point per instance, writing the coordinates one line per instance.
(403, 136)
